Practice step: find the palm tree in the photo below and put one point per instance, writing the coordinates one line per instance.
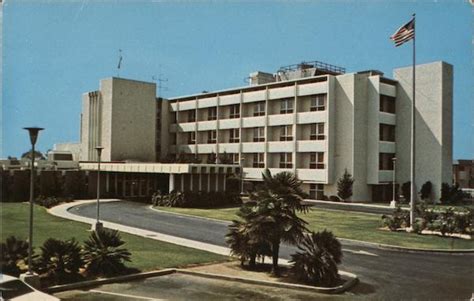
(103, 254)
(60, 260)
(243, 242)
(317, 259)
(12, 252)
(274, 217)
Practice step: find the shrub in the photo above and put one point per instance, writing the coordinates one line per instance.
(344, 186)
(103, 255)
(60, 260)
(452, 194)
(426, 191)
(317, 258)
(400, 218)
(48, 202)
(406, 191)
(13, 252)
(245, 246)
(334, 198)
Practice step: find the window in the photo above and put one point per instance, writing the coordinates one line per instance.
(258, 160)
(234, 135)
(317, 131)
(212, 113)
(259, 134)
(191, 116)
(387, 132)
(286, 106)
(316, 191)
(259, 109)
(286, 160)
(385, 161)
(286, 133)
(235, 159)
(235, 111)
(316, 160)
(318, 102)
(212, 136)
(192, 138)
(387, 104)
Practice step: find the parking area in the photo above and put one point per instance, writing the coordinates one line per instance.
(187, 287)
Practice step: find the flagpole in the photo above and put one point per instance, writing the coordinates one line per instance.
(413, 136)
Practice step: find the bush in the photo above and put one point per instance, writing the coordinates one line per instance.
(48, 202)
(103, 255)
(60, 260)
(406, 191)
(334, 198)
(426, 191)
(452, 194)
(13, 252)
(199, 199)
(399, 218)
(317, 258)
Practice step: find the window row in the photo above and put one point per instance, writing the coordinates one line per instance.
(313, 131)
(283, 106)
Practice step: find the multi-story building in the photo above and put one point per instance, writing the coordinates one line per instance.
(463, 173)
(312, 119)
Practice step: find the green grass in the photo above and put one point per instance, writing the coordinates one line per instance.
(147, 254)
(351, 225)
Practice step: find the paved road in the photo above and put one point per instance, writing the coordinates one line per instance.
(384, 274)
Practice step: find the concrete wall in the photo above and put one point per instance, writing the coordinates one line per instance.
(132, 117)
(433, 124)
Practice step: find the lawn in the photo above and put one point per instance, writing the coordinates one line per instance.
(147, 254)
(350, 225)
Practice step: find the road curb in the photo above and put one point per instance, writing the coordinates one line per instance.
(409, 250)
(91, 283)
(353, 280)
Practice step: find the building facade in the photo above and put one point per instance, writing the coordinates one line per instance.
(312, 119)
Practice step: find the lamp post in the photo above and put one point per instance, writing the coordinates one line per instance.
(242, 175)
(98, 225)
(33, 280)
(393, 203)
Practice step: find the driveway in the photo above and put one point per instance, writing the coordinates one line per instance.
(383, 274)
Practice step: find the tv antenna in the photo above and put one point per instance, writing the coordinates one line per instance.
(159, 83)
(119, 63)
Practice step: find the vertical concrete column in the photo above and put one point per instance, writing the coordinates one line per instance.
(217, 182)
(171, 182)
(209, 182)
(107, 182)
(147, 184)
(295, 116)
(265, 145)
(191, 180)
(200, 181)
(224, 177)
(123, 185)
(182, 182)
(116, 184)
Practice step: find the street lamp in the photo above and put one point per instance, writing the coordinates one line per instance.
(33, 132)
(98, 225)
(242, 175)
(393, 203)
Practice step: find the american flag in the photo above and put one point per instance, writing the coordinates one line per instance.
(404, 33)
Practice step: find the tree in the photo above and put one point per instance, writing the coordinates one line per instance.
(317, 258)
(426, 191)
(103, 255)
(271, 215)
(38, 155)
(344, 185)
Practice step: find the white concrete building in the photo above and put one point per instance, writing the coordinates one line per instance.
(312, 119)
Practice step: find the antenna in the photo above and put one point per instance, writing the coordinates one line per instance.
(119, 63)
(159, 82)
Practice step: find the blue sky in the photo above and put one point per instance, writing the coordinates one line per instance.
(53, 51)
